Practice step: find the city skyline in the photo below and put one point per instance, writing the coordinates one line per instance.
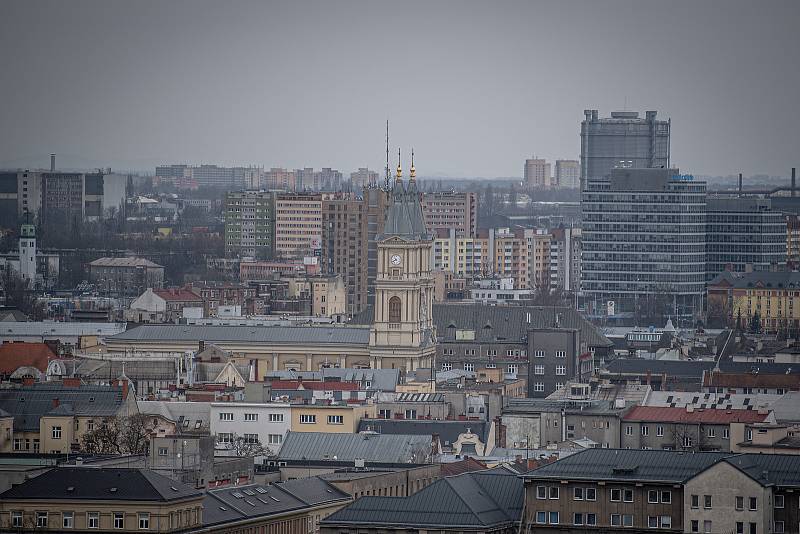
(134, 85)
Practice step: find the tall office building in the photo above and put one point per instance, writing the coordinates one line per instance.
(250, 224)
(298, 225)
(644, 237)
(744, 235)
(445, 210)
(568, 174)
(537, 173)
(623, 140)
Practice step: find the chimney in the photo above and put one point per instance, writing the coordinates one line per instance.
(793, 181)
(28, 381)
(123, 384)
(201, 346)
(52, 162)
(740, 184)
(56, 402)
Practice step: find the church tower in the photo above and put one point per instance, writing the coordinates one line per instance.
(403, 335)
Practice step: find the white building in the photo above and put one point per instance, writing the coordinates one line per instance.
(267, 423)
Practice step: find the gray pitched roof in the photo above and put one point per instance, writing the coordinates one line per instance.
(373, 448)
(404, 217)
(625, 464)
(470, 501)
(30, 403)
(136, 370)
(254, 334)
(769, 469)
(55, 329)
(180, 412)
(379, 379)
(117, 484)
(448, 431)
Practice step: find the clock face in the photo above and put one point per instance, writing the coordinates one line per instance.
(395, 260)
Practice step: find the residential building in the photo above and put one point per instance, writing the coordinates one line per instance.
(538, 244)
(488, 501)
(363, 178)
(743, 235)
(678, 428)
(330, 418)
(469, 257)
(266, 424)
(194, 176)
(102, 500)
(451, 211)
(644, 244)
(250, 224)
(462, 438)
(328, 295)
(750, 382)
(510, 255)
(793, 241)
(162, 305)
(623, 140)
(567, 174)
(537, 173)
(20, 196)
(125, 277)
(228, 299)
(298, 225)
(277, 179)
(566, 246)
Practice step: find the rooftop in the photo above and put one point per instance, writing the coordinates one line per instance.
(661, 414)
(16, 355)
(56, 329)
(249, 334)
(123, 262)
(447, 430)
(373, 448)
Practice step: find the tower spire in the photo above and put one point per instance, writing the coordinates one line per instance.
(387, 155)
(412, 171)
(399, 168)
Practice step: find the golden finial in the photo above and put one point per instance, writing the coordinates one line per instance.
(399, 169)
(412, 170)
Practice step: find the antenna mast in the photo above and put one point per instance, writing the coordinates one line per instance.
(386, 185)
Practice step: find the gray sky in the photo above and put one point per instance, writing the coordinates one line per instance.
(475, 87)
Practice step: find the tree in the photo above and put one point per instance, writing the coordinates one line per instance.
(755, 323)
(119, 435)
(19, 295)
(244, 447)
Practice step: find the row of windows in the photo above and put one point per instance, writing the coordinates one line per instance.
(332, 419)
(251, 417)
(645, 430)
(752, 502)
(615, 494)
(92, 520)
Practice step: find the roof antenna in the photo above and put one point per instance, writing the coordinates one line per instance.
(387, 155)
(399, 168)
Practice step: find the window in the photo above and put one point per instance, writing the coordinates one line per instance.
(250, 417)
(561, 354)
(538, 369)
(739, 502)
(712, 433)
(695, 501)
(541, 517)
(41, 518)
(18, 444)
(666, 521)
(627, 520)
(384, 414)
(469, 367)
(56, 432)
(725, 433)
(541, 492)
(659, 431)
(511, 368)
(276, 418)
(591, 494)
(666, 497)
(628, 430)
(778, 501)
(89, 425)
(553, 518)
(645, 430)
(539, 354)
(274, 439)
(739, 527)
(335, 419)
(616, 520)
(553, 492)
(446, 366)
(225, 416)
(308, 419)
(591, 519)
(144, 521)
(577, 494)
(753, 528)
(93, 519)
(707, 502)
(688, 441)
(577, 519)
(162, 451)
(411, 413)
(538, 387)
(652, 496)
(652, 521)
(251, 438)
(225, 437)
(395, 308)
(616, 495)
(707, 526)
(753, 503)
(119, 520)
(779, 526)
(561, 370)
(627, 495)
(695, 525)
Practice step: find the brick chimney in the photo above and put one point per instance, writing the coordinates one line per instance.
(28, 381)
(71, 382)
(56, 402)
(123, 385)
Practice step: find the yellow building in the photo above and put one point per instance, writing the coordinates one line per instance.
(770, 300)
(538, 252)
(331, 419)
(511, 257)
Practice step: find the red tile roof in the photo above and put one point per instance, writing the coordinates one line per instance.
(467, 465)
(16, 355)
(315, 385)
(751, 380)
(664, 414)
(178, 295)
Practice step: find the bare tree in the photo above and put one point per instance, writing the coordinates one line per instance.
(119, 435)
(245, 447)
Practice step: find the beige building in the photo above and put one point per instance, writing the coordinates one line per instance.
(538, 252)
(329, 418)
(298, 224)
(511, 256)
(537, 173)
(455, 211)
(568, 174)
(328, 295)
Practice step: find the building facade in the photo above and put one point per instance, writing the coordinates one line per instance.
(298, 225)
(567, 173)
(250, 224)
(451, 211)
(537, 173)
(125, 277)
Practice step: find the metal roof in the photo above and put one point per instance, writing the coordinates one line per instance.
(470, 501)
(375, 448)
(246, 334)
(56, 329)
(447, 430)
(665, 414)
(628, 465)
(123, 262)
(775, 469)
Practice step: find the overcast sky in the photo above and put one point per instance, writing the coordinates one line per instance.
(474, 87)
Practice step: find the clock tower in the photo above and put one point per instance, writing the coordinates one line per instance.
(403, 335)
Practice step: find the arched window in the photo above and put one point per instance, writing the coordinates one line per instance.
(394, 309)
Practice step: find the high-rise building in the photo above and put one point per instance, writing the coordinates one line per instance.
(71, 196)
(27, 253)
(298, 225)
(364, 177)
(537, 243)
(623, 140)
(194, 176)
(743, 235)
(445, 210)
(644, 240)
(565, 259)
(467, 257)
(537, 173)
(325, 179)
(376, 202)
(510, 251)
(250, 224)
(568, 174)
(279, 179)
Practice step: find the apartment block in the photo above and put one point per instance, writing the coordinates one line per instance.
(266, 424)
(567, 174)
(565, 259)
(250, 224)
(511, 255)
(451, 210)
(537, 173)
(298, 225)
(330, 418)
